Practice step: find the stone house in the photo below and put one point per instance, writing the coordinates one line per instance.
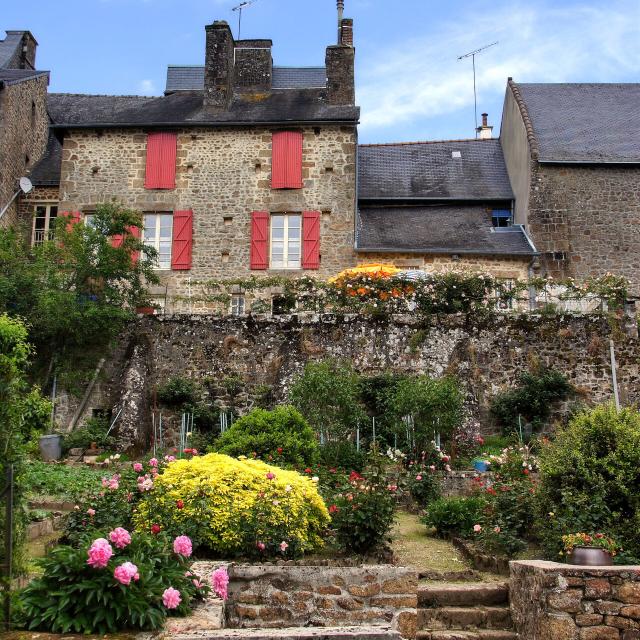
(23, 115)
(572, 152)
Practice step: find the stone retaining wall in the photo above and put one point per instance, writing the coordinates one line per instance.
(266, 596)
(566, 602)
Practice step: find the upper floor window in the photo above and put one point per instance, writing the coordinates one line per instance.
(501, 218)
(44, 223)
(158, 233)
(285, 241)
(161, 160)
(286, 160)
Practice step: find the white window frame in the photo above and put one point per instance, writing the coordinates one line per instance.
(237, 305)
(48, 231)
(288, 259)
(157, 238)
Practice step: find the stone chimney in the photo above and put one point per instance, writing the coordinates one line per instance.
(27, 54)
(253, 66)
(485, 131)
(218, 65)
(340, 63)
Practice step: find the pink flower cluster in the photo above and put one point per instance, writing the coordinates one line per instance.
(99, 553)
(120, 537)
(171, 598)
(182, 546)
(220, 582)
(112, 483)
(145, 483)
(137, 467)
(126, 572)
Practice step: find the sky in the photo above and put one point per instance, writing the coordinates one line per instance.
(410, 84)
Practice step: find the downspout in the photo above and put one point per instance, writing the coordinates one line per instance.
(355, 204)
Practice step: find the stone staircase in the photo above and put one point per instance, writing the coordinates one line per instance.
(296, 633)
(459, 611)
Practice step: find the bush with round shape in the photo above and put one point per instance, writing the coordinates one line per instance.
(590, 479)
(455, 516)
(282, 436)
(235, 507)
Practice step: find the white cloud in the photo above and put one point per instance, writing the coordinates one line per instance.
(536, 43)
(147, 88)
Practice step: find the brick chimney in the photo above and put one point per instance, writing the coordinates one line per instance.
(218, 65)
(340, 63)
(485, 131)
(253, 66)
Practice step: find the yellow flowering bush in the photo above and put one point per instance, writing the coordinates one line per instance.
(235, 507)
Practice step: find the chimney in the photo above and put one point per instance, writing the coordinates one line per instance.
(485, 132)
(28, 46)
(218, 66)
(340, 63)
(253, 66)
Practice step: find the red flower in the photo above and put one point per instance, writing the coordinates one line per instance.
(354, 475)
(155, 529)
(280, 450)
(180, 504)
(307, 470)
(333, 509)
(526, 472)
(332, 471)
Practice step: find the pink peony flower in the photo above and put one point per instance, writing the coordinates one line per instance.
(91, 512)
(261, 546)
(182, 546)
(153, 462)
(170, 459)
(120, 537)
(99, 553)
(270, 476)
(496, 529)
(283, 546)
(220, 582)
(477, 528)
(126, 572)
(418, 477)
(137, 467)
(171, 598)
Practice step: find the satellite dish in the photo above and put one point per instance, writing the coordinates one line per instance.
(25, 185)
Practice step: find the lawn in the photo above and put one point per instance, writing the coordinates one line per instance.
(59, 481)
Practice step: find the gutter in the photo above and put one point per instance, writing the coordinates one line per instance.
(590, 162)
(203, 123)
(441, 251)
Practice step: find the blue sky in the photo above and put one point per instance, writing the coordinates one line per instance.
(410, 84)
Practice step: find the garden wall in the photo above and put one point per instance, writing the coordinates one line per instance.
(564, 602)
(265, 596)
(243, 360)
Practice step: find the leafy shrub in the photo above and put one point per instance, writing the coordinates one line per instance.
(363, 510)
(94, 430)
(423, 485)
(342, 455)
(531, 399)
(235, 507)
(59, 480)
(590, 479)
(454, 516)
(282, 434)
(179, 391)
(72, 596)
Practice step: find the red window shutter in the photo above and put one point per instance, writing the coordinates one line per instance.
(73, 217)
(136, 233)
(117, 240)
(181, 248)
(161, 160)
(260, 240)
(286, 160)
(310, 239)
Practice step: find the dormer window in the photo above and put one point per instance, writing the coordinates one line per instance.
(501, 218)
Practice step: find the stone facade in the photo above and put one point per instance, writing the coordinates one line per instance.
(23, 135)
(222, 175)
(267, 596)
(565, 602)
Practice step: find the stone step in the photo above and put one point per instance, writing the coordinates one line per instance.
(296, 633)
(479, 617)
(463, 595)
(482, 634)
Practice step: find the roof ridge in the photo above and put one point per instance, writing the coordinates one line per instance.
(394, 144)
(526, 118)
(104, 95)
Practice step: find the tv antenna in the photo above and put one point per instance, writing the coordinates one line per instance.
(472, 55)
(239, 8)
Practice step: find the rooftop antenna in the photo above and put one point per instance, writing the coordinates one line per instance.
(239, 9)
(340, 5)
(472, 55)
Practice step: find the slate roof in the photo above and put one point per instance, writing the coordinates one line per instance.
(186, 109)
(191, 78)
(15, 76)
(46, 171)
(585, 123)
(427, 171)
(9, 46)
(463, 229)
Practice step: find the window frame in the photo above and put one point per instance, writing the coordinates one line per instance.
(237, 304)
(158, 239)
(287, 263)
(48, 231)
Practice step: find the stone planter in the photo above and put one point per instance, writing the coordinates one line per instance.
(590, 557)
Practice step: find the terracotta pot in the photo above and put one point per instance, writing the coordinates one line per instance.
(590, 557)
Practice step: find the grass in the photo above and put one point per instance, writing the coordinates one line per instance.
(58, 480)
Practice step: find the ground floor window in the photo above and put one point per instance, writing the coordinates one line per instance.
(237, 304)
(285, 241)
(44, 223)
(158, 230)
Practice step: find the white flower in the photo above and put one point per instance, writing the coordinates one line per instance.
(288, 488)
(315, 479)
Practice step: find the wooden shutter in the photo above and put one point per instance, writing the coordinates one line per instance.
(286, 160)
(161, 160)
(72, 217)
(260, 240)
(310, 239)
(181, 248)
(118, 239)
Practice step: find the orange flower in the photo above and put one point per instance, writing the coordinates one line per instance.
(362, 291)
(395, 292)
(383, 295)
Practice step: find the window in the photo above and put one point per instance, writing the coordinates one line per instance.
(44, 223)
(285, 241)
(501, 217)
(237, 304)
(504, 294)
(286, 160)
(158, 230)
(89, 220)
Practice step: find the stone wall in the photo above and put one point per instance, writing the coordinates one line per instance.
(564, 602)
(222, 175)
(23, 136)
(265, 596)
(267, 353)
